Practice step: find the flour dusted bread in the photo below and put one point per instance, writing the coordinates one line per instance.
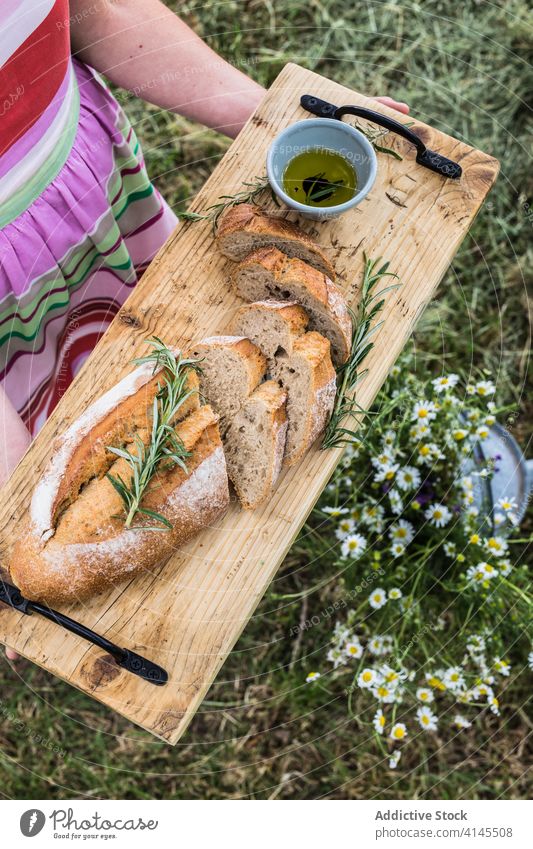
(273, 326)
(270, 274)
(245, 227)
(230, 369)
(254, 444)
(75, 543)
(309, 378)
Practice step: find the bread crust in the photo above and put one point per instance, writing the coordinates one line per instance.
(283, 270)
(250, 354)
(292, 314)
(87, 548)
(250, 219)
(315, 349)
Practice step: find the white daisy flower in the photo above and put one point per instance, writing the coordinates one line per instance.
(384, 693)
(482, 432)
(408, 478)
(397, 549)
(396, 502)
(353, 546)
(499, 519)
(377, 598)
(398, 731)
(394, 759)
(453, 679)
(312, 676)
(449, 549)
(420, 431)
(485, 388)
(424, 411)
(505, 568)
(502, 666)
(476, 644)
(382, 461)
(494, 705)
(445, 382)
(386, 473)
(461, 721)
(334, 512)
(345, 527)
(336, 657)
(508, 505)
(429, 452)
(438, 515)
(402, 531)
(459, 434)
(395, 593)
(353, 649)
(395, 371)
(379, 721)
(481, 572)
(497, 546)
(388, 439)
(424, 694)
(427, 719)
(368, 678)
(482, 691)
(373, 515)
(380, 644)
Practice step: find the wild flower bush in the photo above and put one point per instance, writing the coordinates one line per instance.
(445, 612)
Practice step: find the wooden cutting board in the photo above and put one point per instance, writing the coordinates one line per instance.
(188, 614)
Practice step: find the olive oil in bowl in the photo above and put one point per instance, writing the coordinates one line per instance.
(320, 177)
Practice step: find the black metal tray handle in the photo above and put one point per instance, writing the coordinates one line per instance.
(129, 660)
(424, 156)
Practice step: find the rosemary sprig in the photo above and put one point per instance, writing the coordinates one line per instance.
(349, 374)
(165, 449)
(249, 194)
(374, 135)
(318, 187)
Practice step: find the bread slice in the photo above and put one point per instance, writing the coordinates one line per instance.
(245, 227)
(273, 326)
(309, 378)
(269, 273)
(254, 444)
(80, 550)
(231, 368)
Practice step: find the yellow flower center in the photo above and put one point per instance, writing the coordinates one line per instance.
(424, 450)
(422, 413)
(399, 733)
(381, 721)
(367, 676)
(475, 539)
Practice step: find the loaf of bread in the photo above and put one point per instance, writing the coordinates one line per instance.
(254, 444)
(268, 273)
(75, 542)
(244, 228)
(273, 326)
(309, 379)
(230, 369)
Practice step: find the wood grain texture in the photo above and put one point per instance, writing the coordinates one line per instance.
(188, 614)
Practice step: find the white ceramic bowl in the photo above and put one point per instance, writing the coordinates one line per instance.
(331, 135)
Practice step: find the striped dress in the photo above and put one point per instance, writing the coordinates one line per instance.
(79, 218)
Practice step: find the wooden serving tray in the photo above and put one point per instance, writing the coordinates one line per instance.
(188, 614)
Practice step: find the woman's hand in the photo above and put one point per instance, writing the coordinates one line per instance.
(15, 440)
(399, 105)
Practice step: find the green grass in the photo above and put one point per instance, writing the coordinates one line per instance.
(261, 732)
